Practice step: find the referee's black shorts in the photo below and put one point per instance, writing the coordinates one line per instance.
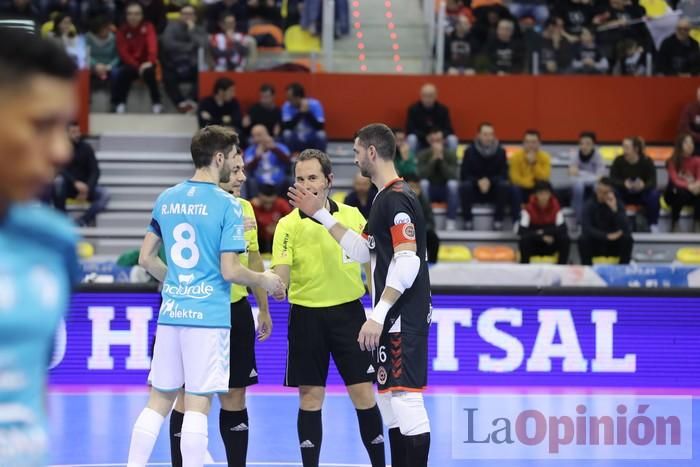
(243, 368)
(314, 334)
(244, 371)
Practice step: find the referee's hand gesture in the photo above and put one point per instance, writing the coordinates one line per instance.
(369, 335)
(306, 201)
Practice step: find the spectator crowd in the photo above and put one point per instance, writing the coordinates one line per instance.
(571, 36)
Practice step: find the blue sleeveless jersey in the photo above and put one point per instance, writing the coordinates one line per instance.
(197, 221)
(38, 266)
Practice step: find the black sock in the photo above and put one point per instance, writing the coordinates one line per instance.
(372, 433)
(417, 447)
(176, 419)
(233, 427)
(398, 448)
(310, 430)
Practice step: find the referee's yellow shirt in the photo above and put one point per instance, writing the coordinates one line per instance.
(321, 274)
(251, 241)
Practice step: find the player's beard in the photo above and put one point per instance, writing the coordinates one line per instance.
(225, 175)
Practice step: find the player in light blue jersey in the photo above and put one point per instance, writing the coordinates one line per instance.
(38, 264)
(201, 227)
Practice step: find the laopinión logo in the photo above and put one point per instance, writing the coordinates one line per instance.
(185, 288)
(572, 427)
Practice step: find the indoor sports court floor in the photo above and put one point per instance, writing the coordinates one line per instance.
(91, 427)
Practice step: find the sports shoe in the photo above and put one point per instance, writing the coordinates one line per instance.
(120, 108)
(157, 108)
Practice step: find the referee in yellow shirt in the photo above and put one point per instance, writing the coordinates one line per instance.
(233, 417)
(324, 287)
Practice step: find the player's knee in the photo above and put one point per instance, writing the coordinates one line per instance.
(311, 397)
(180, 401)
(233, 400)
(410, 412)
(385, 408)
(161, 401)
(362, 395)
(197, 403)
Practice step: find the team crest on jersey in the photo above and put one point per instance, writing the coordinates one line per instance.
(381, 375)
(370, 242)
(409, 232)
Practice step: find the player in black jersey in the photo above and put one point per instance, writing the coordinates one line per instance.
(397, 330)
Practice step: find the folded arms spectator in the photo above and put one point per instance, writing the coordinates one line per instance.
(426, 114)
(221, 108)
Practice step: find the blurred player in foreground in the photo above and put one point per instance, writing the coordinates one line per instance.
(233, 417)
(37, 245)
(202, 229)
(394, 241)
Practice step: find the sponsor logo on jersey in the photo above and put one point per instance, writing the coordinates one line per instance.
(381, 375)
(370, 370)
(186, 289)
(172, 310)
(371, 243)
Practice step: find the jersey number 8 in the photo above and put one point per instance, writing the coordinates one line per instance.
(183, 243)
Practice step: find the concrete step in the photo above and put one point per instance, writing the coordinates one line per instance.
(132, 194)
(131, 220)
(130, 169)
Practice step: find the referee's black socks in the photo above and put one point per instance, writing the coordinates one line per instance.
(372, 433)
(234, 431)
(310, 430)
(176, 419)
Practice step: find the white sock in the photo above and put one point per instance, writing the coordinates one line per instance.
(143, 437)
(194, 439)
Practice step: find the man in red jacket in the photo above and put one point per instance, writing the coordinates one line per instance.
(137, 44)
(542, 228)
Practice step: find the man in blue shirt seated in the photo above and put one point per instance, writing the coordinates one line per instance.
(267, 162)
(303, 121)
(37, 245)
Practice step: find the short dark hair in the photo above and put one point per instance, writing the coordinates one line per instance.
(267, 87)
(381, 137)
(268, 190)
(23, 55)
(588, 134)
(210, 140)
(98, 23)
(607, 181)
(411, 178)
(320, 156)
(542, 185)
(482, 125)
(532, 132)
(297, 90)
(434, 129)
(222, 84)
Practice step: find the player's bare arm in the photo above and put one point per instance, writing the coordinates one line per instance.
(283, 271)
(354, 245)
(148, 257)
(233, 271)
(264, 330)
(401, 275)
